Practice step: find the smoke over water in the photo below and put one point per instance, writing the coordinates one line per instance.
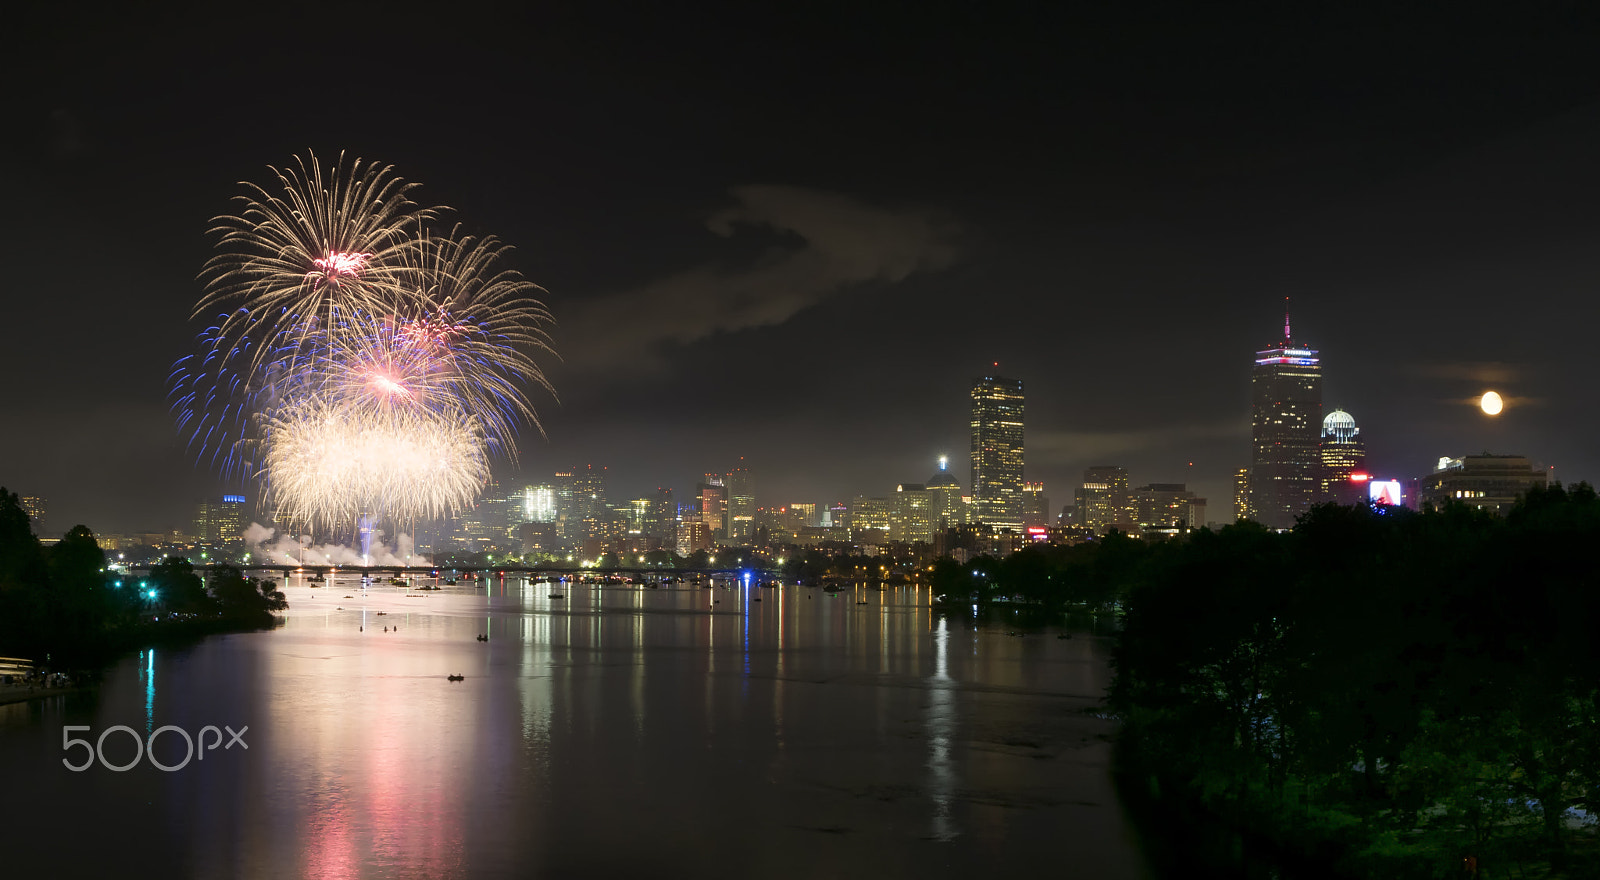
(289, 550)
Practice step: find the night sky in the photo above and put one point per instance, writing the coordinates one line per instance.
(798, 236)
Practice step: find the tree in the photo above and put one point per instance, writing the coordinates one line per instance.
(178, 588)
(243, 598)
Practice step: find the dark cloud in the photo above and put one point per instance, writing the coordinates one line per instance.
(842, 242)
(1086, 448)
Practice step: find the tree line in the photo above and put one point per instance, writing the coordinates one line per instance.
(1379, 692)
(60, 604)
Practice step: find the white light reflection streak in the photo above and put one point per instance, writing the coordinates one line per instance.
(150, 693)
(941, 727)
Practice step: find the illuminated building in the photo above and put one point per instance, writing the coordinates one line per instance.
(773, 525)
(837, 516)
(714, 507)
(539, 504)
(1102, 500)
(869, 520)
(1242, 508)
(589, 500)
(568, 524)
(538, 537)
(804, 515)
(911, 519)
(34, 506)
(1285, 417)
(741, 505)
(693, 536)
(948, 507)
(220, 522)
(1343, 454)
(1035, 506)
(636, 514)
(997, 418)
(1487, 482)
(1167, 508)
(663, 517)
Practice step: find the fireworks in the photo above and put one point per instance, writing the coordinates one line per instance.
(358, 364)
(328, 464)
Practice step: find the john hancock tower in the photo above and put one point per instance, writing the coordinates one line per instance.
(997, 452)
(1285, 417)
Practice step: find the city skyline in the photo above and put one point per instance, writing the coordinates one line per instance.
(817, 298)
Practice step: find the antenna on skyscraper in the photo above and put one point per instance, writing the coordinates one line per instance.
(1286, 336)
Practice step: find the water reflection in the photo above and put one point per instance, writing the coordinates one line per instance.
(941, 725)
(617, 730)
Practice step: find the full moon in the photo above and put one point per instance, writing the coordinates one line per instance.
(1492, 404)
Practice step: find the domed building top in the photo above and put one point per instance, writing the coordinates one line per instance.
(1340, 426)
(942, 479)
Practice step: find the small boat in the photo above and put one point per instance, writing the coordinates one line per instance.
(450, 583)
(557, 596)
(457, 678)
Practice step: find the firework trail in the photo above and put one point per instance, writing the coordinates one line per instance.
(356, 364)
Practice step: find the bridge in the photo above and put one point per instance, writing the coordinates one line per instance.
(432, 571)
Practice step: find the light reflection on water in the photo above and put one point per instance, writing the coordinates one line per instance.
(615, 730)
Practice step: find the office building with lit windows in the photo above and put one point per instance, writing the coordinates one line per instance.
(1486, 482)
(949, 510)
(997, 418)
(220, 522)
(1035, 506)
(911, 516)
(741, 505)
(1102, 500)
(1343, 456)
(1285, 423)
(1242, 508)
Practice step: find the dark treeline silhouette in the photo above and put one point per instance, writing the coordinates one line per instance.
(1093, 576)
(1379, 692)
(61, 605)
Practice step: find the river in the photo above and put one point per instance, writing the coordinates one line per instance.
(615, 731)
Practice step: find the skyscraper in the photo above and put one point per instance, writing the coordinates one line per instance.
(1035, 506)
(1103, 500)
(1343, 453)
(34, 506)
(948, 509)
(997, 452)
(1285, 418)
(1242, 508)
(741, 505)
(714, 507)
(911, 518)
(220, 522)
(663, 519)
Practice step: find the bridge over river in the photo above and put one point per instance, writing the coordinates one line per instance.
(431, 571)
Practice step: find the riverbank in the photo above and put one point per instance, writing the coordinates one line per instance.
(21, 693)
(90, 654)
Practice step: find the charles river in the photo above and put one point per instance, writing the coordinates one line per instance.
(727, 731)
